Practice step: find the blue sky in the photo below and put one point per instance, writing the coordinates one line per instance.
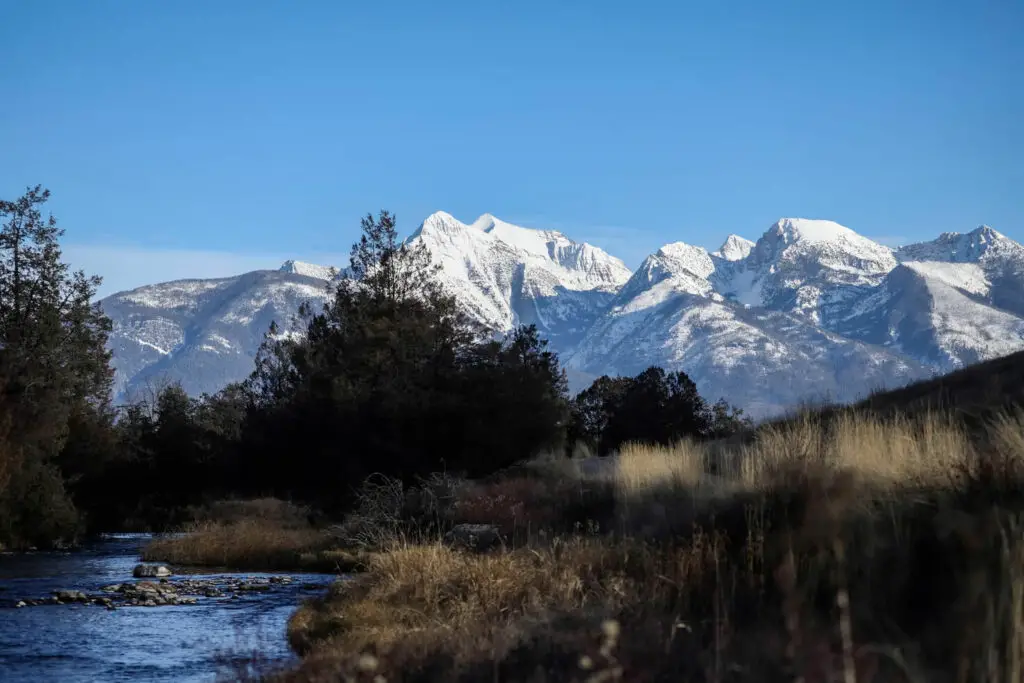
(203, 138)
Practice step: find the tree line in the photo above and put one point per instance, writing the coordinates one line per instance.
(389, 377)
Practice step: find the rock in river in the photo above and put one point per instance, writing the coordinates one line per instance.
(71, 596)
(150, 571)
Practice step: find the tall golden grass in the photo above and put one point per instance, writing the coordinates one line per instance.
(846, 549)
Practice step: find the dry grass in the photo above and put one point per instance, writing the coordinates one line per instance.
(846, 550)
(261, 535)
(425, 606)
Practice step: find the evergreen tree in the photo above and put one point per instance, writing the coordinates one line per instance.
(53, 366)
(390, 377)
(361, 388)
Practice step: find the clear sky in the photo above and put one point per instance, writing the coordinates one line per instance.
(201, 138)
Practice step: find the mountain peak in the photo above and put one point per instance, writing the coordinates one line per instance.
(735, 248)
(979, 244)
(812, 231)
(987, 234)
(309, 269)
(827, 243)
(439, 220)
(682, 256)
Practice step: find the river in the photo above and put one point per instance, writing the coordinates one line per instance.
(78, 643)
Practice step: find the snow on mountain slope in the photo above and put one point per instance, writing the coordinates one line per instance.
(967, 277)
(506, 275)
(202, 333)
(761, 360)
(1000, 258)
(936, 313)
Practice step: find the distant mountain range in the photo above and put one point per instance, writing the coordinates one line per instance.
(810, 311)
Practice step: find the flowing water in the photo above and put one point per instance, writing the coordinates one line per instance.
(168, 643)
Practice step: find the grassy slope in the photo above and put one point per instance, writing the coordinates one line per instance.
(978, 391)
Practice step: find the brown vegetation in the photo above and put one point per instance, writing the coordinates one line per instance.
(259, 535)
(851, 550)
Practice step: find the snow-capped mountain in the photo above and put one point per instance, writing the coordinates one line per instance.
(506, 275)
(205, 333)
(811, 310)
(201, 333)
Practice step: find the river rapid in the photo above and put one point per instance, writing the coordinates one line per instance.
(205, 641)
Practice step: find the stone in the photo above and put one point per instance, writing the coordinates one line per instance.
(150, 571)
(71, 596)
(247, 587)
(478, 537)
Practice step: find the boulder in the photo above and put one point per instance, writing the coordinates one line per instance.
(479, 537)
(150, 571)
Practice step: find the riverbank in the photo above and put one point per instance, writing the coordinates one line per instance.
(853, 549)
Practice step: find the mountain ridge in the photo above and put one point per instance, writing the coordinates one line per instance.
(810, 309)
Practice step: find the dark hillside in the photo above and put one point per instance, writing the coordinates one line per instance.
(976, 393)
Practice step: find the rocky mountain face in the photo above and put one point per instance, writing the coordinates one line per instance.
(810, 311)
